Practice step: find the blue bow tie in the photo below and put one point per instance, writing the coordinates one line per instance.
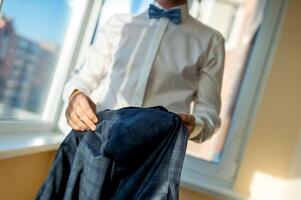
(174, 15)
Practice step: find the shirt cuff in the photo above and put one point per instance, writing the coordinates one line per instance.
(199, 126)
(70, 88)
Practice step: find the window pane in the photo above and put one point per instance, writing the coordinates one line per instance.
(224, 16)
(31, 37)
(238, 21)
(112, 7)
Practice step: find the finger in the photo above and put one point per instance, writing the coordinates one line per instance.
(190, 129)
(190, 119)
(93, 105)
(182, 116)
(95, 119)
(67, 114)
(81, 112)
(83, 117)
(73, 125)
(76, 119)
(87, 121)
(88, 111)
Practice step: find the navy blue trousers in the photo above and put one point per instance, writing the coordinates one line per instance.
(134, 153)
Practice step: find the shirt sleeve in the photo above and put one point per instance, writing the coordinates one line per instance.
(207, 102)
(87, 76)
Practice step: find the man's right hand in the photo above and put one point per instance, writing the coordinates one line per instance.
(81, 112)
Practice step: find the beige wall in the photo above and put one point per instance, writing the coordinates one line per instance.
(20, 177)
(269, 149)
(271, 145)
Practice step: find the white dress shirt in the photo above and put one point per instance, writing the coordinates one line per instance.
(138, 61)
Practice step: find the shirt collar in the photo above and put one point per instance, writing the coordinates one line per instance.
(182, 7)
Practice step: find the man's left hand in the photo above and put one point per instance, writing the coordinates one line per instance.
(189, 121)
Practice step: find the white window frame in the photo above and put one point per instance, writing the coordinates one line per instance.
(1, 1)
(68, 57)
(201, 175)
(87, 35)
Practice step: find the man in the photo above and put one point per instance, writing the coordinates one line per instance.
(162, 56)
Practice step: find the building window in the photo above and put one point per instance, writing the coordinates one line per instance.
(31, 38)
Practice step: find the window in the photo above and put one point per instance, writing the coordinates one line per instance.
(234, 20)
(32, 38)
(35, 61)
(212, 166)
(250, 41)
(111, 7)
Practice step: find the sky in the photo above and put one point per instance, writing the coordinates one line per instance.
(39, 20)
(122, 6)
(47, 20)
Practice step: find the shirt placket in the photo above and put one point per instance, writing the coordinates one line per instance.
(148, 63)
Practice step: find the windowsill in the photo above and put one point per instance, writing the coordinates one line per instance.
(215, 187)
(18, 144)
(213, 190)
